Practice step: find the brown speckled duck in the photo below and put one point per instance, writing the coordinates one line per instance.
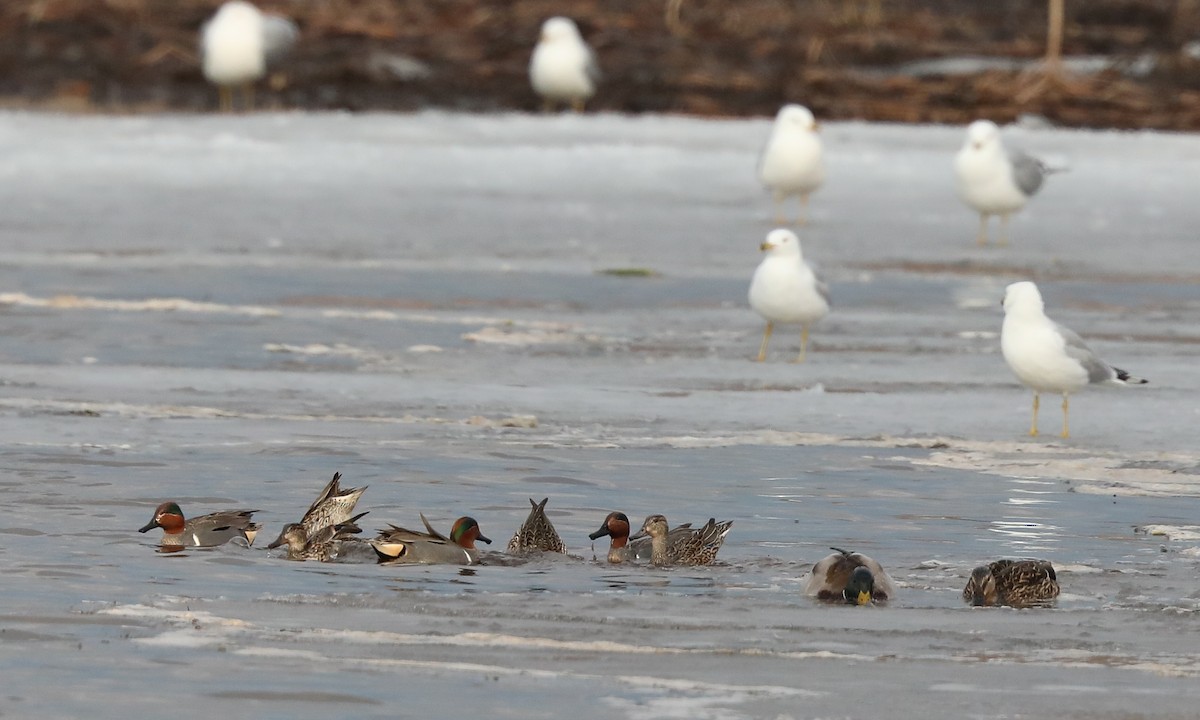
(1016, 583)
(537, 534)
(697, 547)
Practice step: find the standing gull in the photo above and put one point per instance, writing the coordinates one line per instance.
(563, 68)
(238, 44)
(1048, 357)
(786, 290)
(791, 163)
(991, 181)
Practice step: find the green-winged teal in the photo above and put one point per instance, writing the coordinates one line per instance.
(850, 577)
(1017, 583)
(616, 526)
(333, 506)
(696, 547)
(325, 545)
(204, 531)
(398, 545)
(537, 534)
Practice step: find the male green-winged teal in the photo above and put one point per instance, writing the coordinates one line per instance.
(398, 545)
(205, 531)
(850, 577)
(537, 534)
(696, 547)
(1017, 583)
(328, 543)
(616, 526)
(333, 506)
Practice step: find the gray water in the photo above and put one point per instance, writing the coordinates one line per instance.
(225, 311)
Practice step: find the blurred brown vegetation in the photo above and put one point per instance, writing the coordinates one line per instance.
(728, 58)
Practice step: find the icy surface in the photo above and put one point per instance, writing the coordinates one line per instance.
(225, 310)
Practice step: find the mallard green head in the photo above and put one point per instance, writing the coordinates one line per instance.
(465, 532)
(860, 587)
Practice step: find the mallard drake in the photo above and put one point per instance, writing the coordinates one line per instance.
(537, 534)
(205, 531)
(850, 577)
(1017, 583)
(398, 545)
(324, 545)
(696, 547)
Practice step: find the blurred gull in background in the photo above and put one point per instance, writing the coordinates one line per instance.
(791, 163)
(786, 290)
(238, 44)
(993, 182)
(563, 68)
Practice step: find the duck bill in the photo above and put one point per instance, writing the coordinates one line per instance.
(149, 526)
(864, 598)
(277, 542)
(484, 539)
(599, 533)
(639, 535)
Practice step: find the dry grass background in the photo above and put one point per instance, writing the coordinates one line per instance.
(731, 58)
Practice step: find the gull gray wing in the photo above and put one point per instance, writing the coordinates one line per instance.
(1028, 172)
(822, 289)
(279, 35)
(1098, 371)
(592, 68)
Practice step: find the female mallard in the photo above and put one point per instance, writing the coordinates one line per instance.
(698, 547)
(1017, 583)
(537, 534)
(850, 577)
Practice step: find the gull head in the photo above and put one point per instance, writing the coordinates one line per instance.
(1022, 297)
(982, 134)
(796, 117)
(557, 29)
(781, 242)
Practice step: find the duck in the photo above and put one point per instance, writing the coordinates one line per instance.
(791, 163)
(333, 506)
(396, 545)
(850, 577)
(204, 531)
(1016, 583)
(563, 68)
(537, 533)
(326, 544)
(616, 526)
(697, 547)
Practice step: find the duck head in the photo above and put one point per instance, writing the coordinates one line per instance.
(616, 526)
(860, 587)
(465, 532)
(167, 516)
(655, 526)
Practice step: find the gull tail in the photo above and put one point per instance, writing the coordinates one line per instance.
(1127, 379)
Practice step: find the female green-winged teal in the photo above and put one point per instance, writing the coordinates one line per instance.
(328, 543)
(620, 550)
(398, 545)
(1017, 583)
(333, 506)
(696, 547)
(537, 534)
(850, 577)
(205, 531)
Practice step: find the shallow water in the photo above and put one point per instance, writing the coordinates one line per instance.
(225, 311)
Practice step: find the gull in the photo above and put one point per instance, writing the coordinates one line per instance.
(786, 290)
(1048, 357)
(238, 44)
(791, 163)
(563, 68)
(992, 182)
